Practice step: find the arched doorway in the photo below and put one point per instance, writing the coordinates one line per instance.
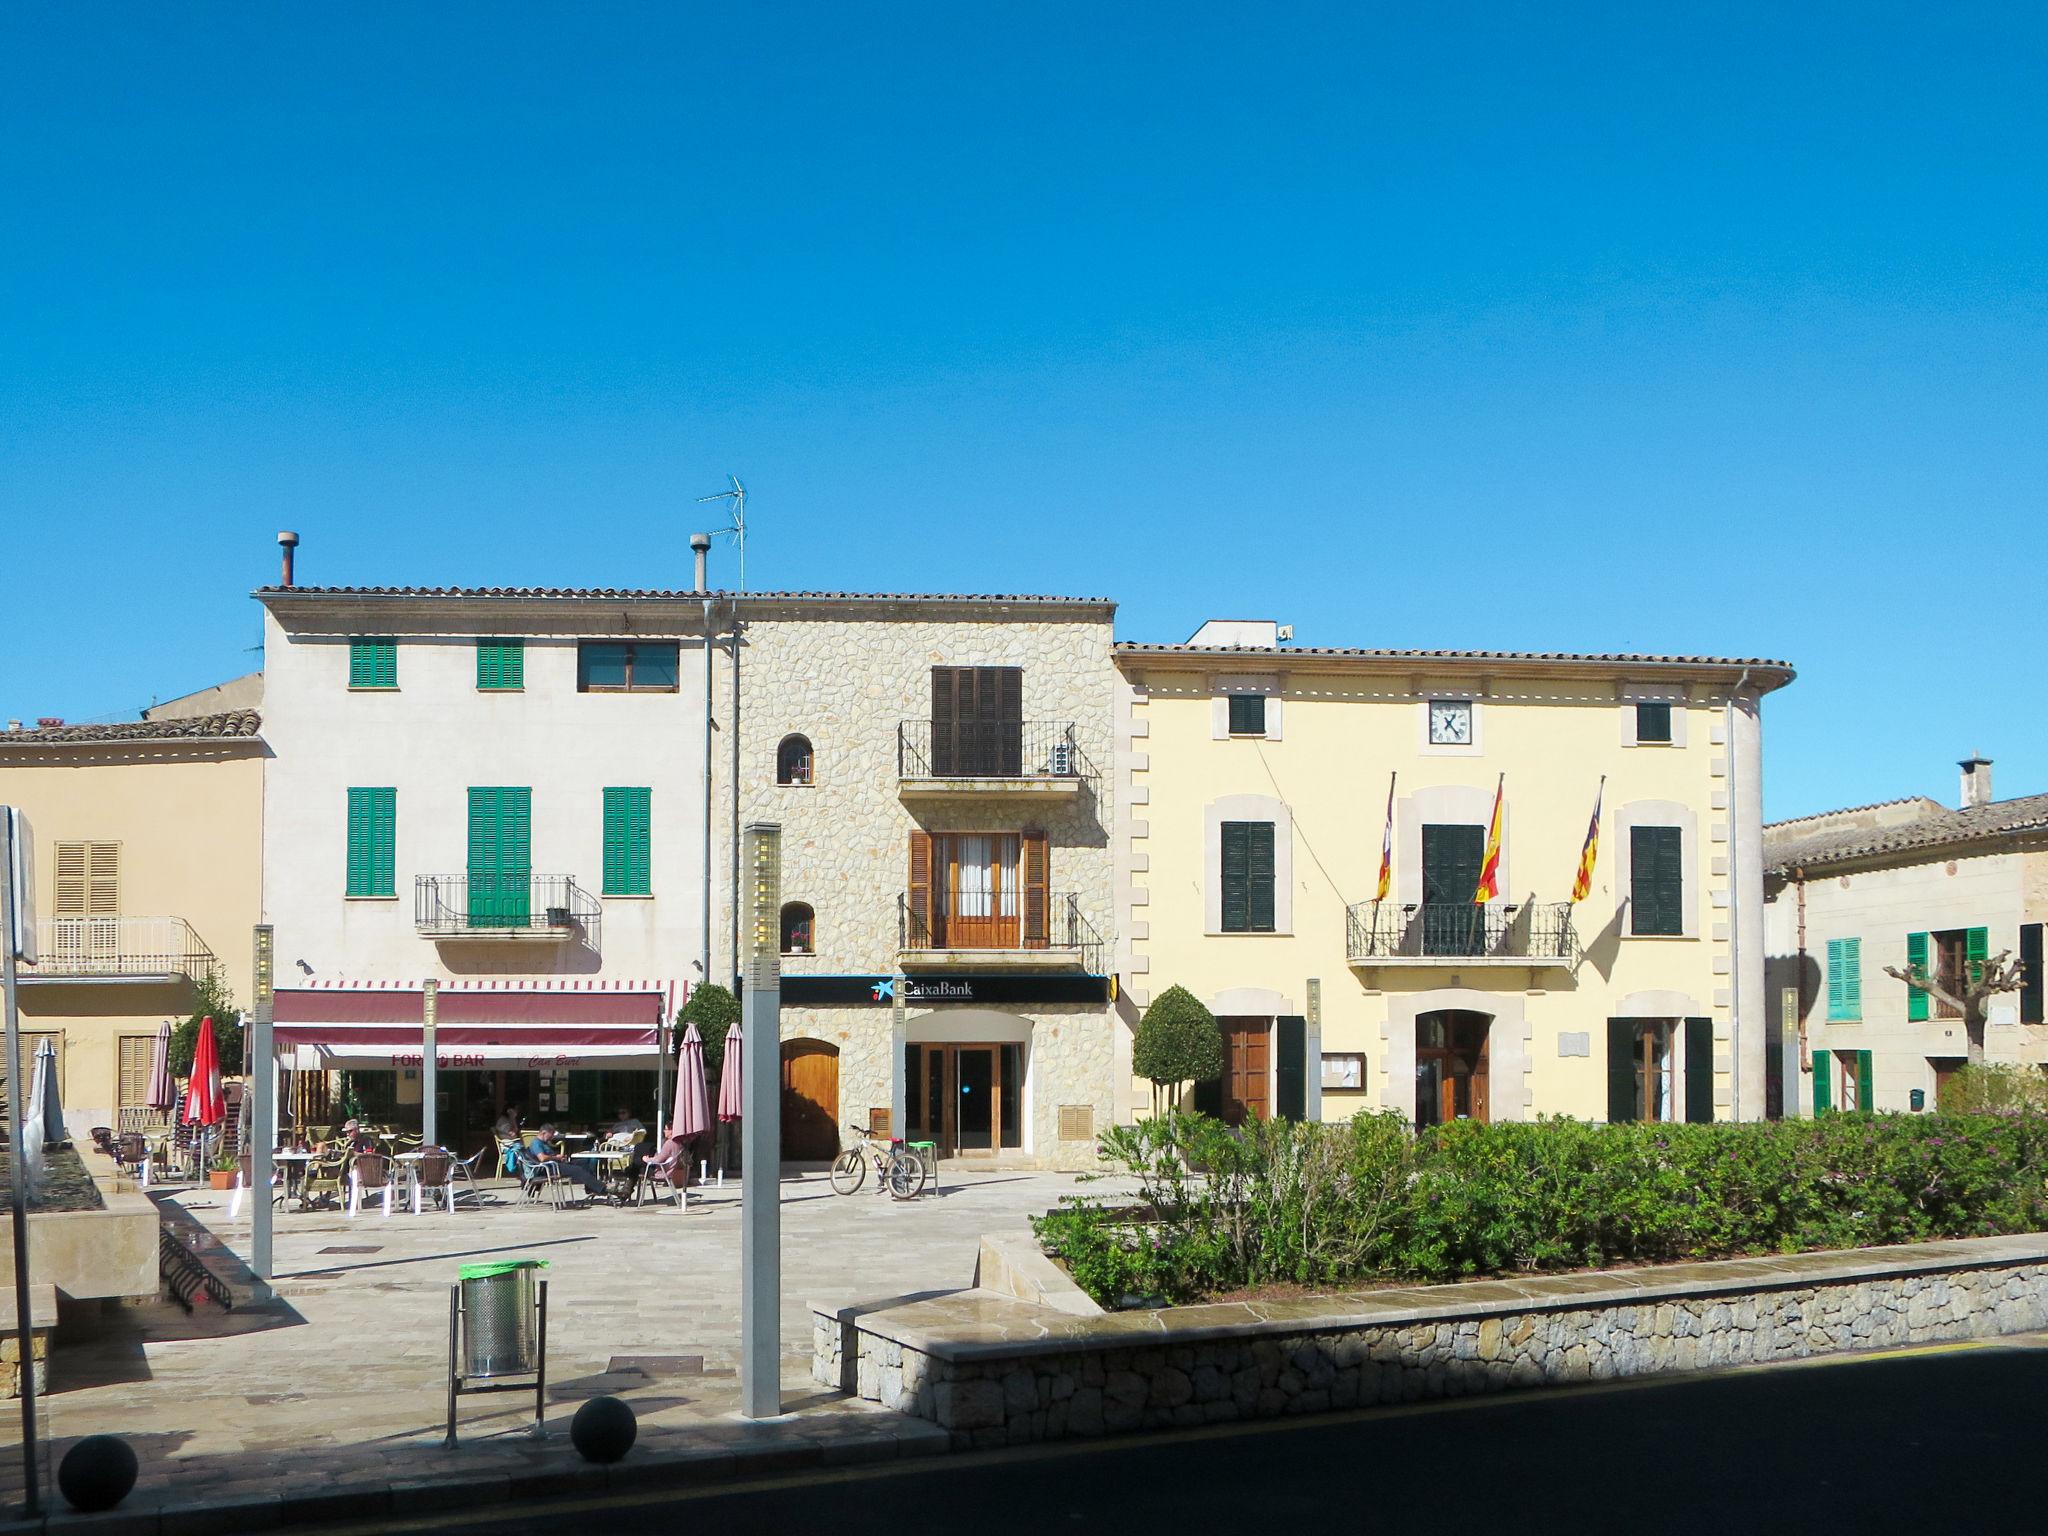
(1450, 1067)
(810, 1101)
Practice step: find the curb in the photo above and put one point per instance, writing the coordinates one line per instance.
(360, 1502)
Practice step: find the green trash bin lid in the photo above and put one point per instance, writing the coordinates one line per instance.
(503, 1267)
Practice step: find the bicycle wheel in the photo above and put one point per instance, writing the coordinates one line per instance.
(848, 1169)
(905, 1176)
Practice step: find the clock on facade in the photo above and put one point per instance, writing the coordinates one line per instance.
(1450, 722)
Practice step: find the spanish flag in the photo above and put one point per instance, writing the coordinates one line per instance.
(1489, 867)
(1590, 854)
(1387, 846)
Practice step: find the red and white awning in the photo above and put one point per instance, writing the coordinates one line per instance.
(523, 1025)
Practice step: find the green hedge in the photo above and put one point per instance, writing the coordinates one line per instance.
(1367, 1201)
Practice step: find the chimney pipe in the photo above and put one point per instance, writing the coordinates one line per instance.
(700, 546)
(288, 542)
(1976, 780)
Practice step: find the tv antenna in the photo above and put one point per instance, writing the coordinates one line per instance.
(738, 529)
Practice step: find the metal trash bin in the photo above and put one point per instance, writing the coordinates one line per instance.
(498, 1315)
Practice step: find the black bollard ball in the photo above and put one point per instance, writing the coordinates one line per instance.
(604, 1429)
(97, 1473)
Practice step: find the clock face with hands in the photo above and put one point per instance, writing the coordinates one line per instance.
(1450, 722)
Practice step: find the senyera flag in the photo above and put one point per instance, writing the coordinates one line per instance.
(1582, 885)
(1387, 846)
(1489, 867)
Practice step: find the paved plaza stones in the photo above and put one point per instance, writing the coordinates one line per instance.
(331, 1397)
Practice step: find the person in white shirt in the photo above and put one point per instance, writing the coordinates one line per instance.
(627, 1123)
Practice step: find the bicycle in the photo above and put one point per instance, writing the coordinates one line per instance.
(899, 1171)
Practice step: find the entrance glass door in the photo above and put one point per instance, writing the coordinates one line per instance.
(976, 1108)
(966, 1099)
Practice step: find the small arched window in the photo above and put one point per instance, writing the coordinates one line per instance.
(793, 760)
(798, 926)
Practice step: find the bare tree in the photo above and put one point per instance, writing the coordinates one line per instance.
(1969, 993)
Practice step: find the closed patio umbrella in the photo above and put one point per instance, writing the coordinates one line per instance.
(730, 1076)
(45, 1109)
(692, 1116)
(163, 1088)
(204, 1103)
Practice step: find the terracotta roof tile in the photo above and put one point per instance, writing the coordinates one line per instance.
(1134, 648)
(1810, 842)
(672, 594)
(239, 722)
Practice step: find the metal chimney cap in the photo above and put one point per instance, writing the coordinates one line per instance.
(700, 542)
(288, 539)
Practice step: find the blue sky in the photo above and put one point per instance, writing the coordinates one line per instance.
(1642, 328)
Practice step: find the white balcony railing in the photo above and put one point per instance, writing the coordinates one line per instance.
(70, 948)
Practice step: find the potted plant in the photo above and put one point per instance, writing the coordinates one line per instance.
(222, 1174)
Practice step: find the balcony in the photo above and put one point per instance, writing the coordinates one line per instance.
(1461, 934)
(985, 759)
(546, 909)
(1015, 933)
(136, 950)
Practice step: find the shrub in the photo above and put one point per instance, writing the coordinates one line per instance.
(714, 1010)
(1997, 1089)
(210, 999)
(1366, 1202)
(1177, 1041)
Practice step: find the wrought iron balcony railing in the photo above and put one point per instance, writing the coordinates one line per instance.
(542, 906)
(989, 749)
(1015, 920)
(71, 948)
(1529, 933)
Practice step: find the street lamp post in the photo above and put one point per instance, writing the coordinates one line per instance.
(261, 1064)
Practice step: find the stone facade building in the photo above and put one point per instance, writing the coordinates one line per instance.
(1912, 884)
(942, 769)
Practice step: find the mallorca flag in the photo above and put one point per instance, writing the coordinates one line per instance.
(1387, 846)
(1589, 854)
(1489, 867)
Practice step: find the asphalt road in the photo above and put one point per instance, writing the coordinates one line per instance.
(1936, 1440)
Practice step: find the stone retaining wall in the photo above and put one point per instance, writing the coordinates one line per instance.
(999, 1372)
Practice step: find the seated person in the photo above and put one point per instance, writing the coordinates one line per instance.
(545, 1146)
(508, 1123)
(626, 1124)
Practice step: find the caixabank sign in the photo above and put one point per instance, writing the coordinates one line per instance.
(926, 991)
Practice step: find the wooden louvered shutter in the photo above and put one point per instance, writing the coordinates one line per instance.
(71, 879)
(1699, 1071)
(1236, 876)
(2030, 973)
(918, 896)
(1035, 861)
(1290, 1069)
(1852, 978)
(1976, 950)
(1823, 1081)
(627, 825)
(1916, 962)
(1259, 876)
(945, 720)
(1621, 1071)
(1837, 1008)
(1866, 1090)
(103, 878)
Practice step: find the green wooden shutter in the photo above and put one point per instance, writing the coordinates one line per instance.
(1699, 1071)
(1838, 1007)
(500, 857)
(372, 662)
(1259, 851)
(1621, 1071)
(1978, 942)
(1866, 1093)
(1656, 881)
(1290, 1068)
(1916, 962)
(1823, 1081)
(500, 666)
(2031, 995)
(627, 825)
(1236, 876)
(372, 841)
(1852, 974)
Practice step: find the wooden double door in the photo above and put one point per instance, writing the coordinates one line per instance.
(966, 1099)
(1451, 1050)
(810, 1101)
(1244, 1091)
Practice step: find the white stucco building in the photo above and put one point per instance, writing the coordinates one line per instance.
(1904, 883)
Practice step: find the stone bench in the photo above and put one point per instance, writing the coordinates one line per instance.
(42, 1318)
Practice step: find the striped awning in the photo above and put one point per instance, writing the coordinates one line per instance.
(526, 1025)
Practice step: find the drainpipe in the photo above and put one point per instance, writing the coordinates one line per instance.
(1734, 897)
(700, 545)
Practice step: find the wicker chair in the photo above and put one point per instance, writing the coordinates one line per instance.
(367, 1171)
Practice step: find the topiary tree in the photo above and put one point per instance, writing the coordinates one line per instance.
(210, 999)
(714, 1010)
(1177, 1041)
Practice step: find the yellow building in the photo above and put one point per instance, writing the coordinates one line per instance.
(1250, 856)
(148, 874)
